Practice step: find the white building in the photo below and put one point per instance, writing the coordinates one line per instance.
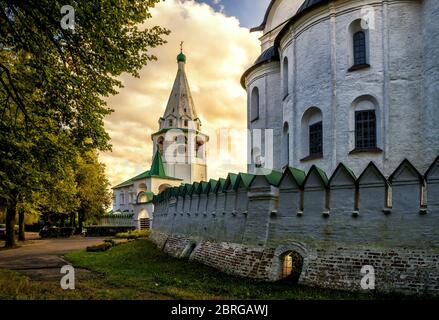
(179, 155)
(346, 81)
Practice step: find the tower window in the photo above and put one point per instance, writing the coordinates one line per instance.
(285, 77)
(171, 123)
(365, 129)
(360, 48)
(254, 104)
(185, 123)
(316, 139)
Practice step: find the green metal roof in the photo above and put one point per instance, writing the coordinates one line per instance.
(348, 170)
(124, 184)
(181, 57)
(231, 180)
(220, 184)
(157, 171)
(213, 184)
(184, 130)
(157, 167)
(246, 178)
(274, 177)
(320, 173)
(205, 187)
(298, 175)
(194, 188)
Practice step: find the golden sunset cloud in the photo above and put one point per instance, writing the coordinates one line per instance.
(218, 51)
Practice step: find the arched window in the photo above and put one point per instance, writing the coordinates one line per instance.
(160, 142)
(255, 104)
(316, 139)
(285, 77)
(312, 133)
(170, 122)
(360, 48)
(200, 144)
(365, 124)
(286, 146)
(365, 129)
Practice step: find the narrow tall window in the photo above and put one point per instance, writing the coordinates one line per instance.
(255, 104)
(170, 122)
(316, 139)
(286, 146)
(360, 48)
(285, 76)
(365, 129)
(185, 123)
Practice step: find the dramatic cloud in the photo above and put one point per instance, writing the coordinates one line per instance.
(218, 51)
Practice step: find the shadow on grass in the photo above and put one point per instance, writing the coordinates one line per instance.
(139, 268)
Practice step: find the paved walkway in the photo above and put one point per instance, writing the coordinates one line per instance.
(43, 259)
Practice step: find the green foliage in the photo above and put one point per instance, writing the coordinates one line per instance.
(53, 83)
(134, 234)
(93, 186)
(117, 242)
(99, 247)
(103, 231)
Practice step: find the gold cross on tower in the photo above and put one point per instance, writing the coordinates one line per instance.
(181, 46)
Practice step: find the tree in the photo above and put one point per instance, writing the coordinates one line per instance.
(53, 82)
(93, 188)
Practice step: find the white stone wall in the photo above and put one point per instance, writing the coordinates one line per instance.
(267, 80)
(346, 210)
(402, 84)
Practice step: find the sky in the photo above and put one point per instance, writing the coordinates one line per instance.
(219, 48)
(250, 13)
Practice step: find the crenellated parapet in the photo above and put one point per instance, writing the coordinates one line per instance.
(264, 209)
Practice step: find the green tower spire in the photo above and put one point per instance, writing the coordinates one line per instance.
(157, 167)
(181, 57)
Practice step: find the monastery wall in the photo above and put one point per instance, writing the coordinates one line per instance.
(336, 225)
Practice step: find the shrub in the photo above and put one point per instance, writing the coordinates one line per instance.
(99, 247)
(134, 234)
(117, 242)
(103, 231)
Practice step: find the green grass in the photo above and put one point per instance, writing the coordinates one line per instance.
(138, 270)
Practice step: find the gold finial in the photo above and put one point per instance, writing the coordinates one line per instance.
(181, 46)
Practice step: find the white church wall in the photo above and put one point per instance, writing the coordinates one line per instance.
(433, 189)
(319, 56)
(430, 116)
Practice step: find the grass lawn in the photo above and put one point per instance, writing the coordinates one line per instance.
(140, 271)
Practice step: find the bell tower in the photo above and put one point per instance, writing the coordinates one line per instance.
(179, 139)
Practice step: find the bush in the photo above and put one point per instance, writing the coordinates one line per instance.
(134, 234)
(99, 247)
(117, 242)
(102, 231)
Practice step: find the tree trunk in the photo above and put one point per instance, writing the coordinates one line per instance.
(11, 211)
(80, 220)
(21, 231)
(73, 220)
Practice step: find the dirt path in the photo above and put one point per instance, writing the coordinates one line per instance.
(43, 259)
